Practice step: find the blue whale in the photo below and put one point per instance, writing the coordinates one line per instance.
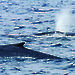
(13, 50)
(58, 32)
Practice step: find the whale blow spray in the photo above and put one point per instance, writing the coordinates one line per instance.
(63, 20)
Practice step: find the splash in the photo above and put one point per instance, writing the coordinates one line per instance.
(63, 20)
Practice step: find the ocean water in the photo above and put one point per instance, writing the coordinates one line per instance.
(20, 20)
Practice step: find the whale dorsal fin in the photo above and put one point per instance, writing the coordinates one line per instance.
(19, 44)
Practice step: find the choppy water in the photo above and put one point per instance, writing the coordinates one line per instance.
(20, 20)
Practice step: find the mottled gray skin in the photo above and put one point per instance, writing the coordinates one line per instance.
(13, 50)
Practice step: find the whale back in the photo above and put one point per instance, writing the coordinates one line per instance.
(13, 50)
(56, 32)
(19, 44)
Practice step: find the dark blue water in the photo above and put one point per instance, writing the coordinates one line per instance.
(20, 20)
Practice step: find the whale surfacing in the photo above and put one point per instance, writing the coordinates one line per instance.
(56, 32)
(12, 50)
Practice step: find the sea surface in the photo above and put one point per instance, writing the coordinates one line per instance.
(20, 20)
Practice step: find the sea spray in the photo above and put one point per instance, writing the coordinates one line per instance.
(63, 20)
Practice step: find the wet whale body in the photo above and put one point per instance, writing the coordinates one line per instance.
(58, 32)
(13, 50)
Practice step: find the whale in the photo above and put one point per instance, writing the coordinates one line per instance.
(14, 50)
(56, 32)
